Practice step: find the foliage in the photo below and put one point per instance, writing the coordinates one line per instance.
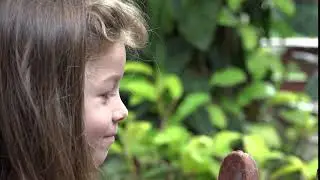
(210, 89)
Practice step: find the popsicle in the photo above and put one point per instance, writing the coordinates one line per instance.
(238, 166)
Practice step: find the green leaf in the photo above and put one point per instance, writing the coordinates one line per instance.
(285, 97)
(179, 54)
(172, 134)
(249, 36)
(274, 155)
(256, 147)
(294, 165)
(196, 156)
(258, 64)
(189, 105)
(198, 26)
(222, 142)
(261, 61)
(276, 67)
(256, 91)
(135, 137)
(284, 171)
(141, 88)
(158, 172)
(195, 163)
(138, 67)
(217, 116)
(137, 130)
(286, 6)
(116, 148)
(230, 105)
(310, 169)
(230, 76)
(298, 117)
(226, 18)
(135, 100)
(280, 27)
(235, 5)
(174, 85)
(215, 168)
(268, 133)
(294, 160)
(161, 13)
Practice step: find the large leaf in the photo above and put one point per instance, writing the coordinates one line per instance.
(230, 105)
(256, 147)
(197, 21)
(280, 27)
(161, 13)
(235, 5)
(249, 36)
(289, 98)
(286, 6)
(256, 91)
(258, 64)
(217, 116)
(174, 85)
(135, 100)
(261, 61)
(198, 81)
(227, 18)
(135, 137)
(196, 156)
(158, 172)
(294, 164)
(222, 142)
(189, 105)
(268, 132)
(276, 67)
(179, 54)
(171, 140)
(300, 118)
(228, 77)
(138, 67)
(141, 87)
(115, 148)
(310, 169)
(172, 134)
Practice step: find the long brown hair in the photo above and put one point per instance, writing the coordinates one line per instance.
(44, 45)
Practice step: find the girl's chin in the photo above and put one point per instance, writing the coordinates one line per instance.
(100, 157)
(101, 150)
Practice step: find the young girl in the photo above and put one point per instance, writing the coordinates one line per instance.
(60, 66)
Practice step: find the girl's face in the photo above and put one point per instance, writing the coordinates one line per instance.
(103, 108)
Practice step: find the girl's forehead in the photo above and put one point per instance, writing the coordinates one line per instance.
(112, 54)
(111, 62)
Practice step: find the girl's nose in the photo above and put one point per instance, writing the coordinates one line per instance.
(119, 115)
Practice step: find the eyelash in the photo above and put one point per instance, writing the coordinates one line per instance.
(108, 95)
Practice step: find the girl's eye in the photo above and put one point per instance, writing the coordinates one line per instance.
(106, 96)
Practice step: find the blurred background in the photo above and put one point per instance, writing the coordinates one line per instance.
(217, 76)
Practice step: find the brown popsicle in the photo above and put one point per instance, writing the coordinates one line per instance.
(238, 166)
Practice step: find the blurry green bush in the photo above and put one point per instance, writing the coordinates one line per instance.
(208, 89)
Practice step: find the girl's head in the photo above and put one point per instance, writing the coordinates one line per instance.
(60, 66)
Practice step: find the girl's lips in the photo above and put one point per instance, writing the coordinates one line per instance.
(107, 141)
(110, 135)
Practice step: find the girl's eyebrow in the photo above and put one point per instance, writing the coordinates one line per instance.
(115, 78)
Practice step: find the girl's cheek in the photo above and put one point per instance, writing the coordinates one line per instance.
(97, 119)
